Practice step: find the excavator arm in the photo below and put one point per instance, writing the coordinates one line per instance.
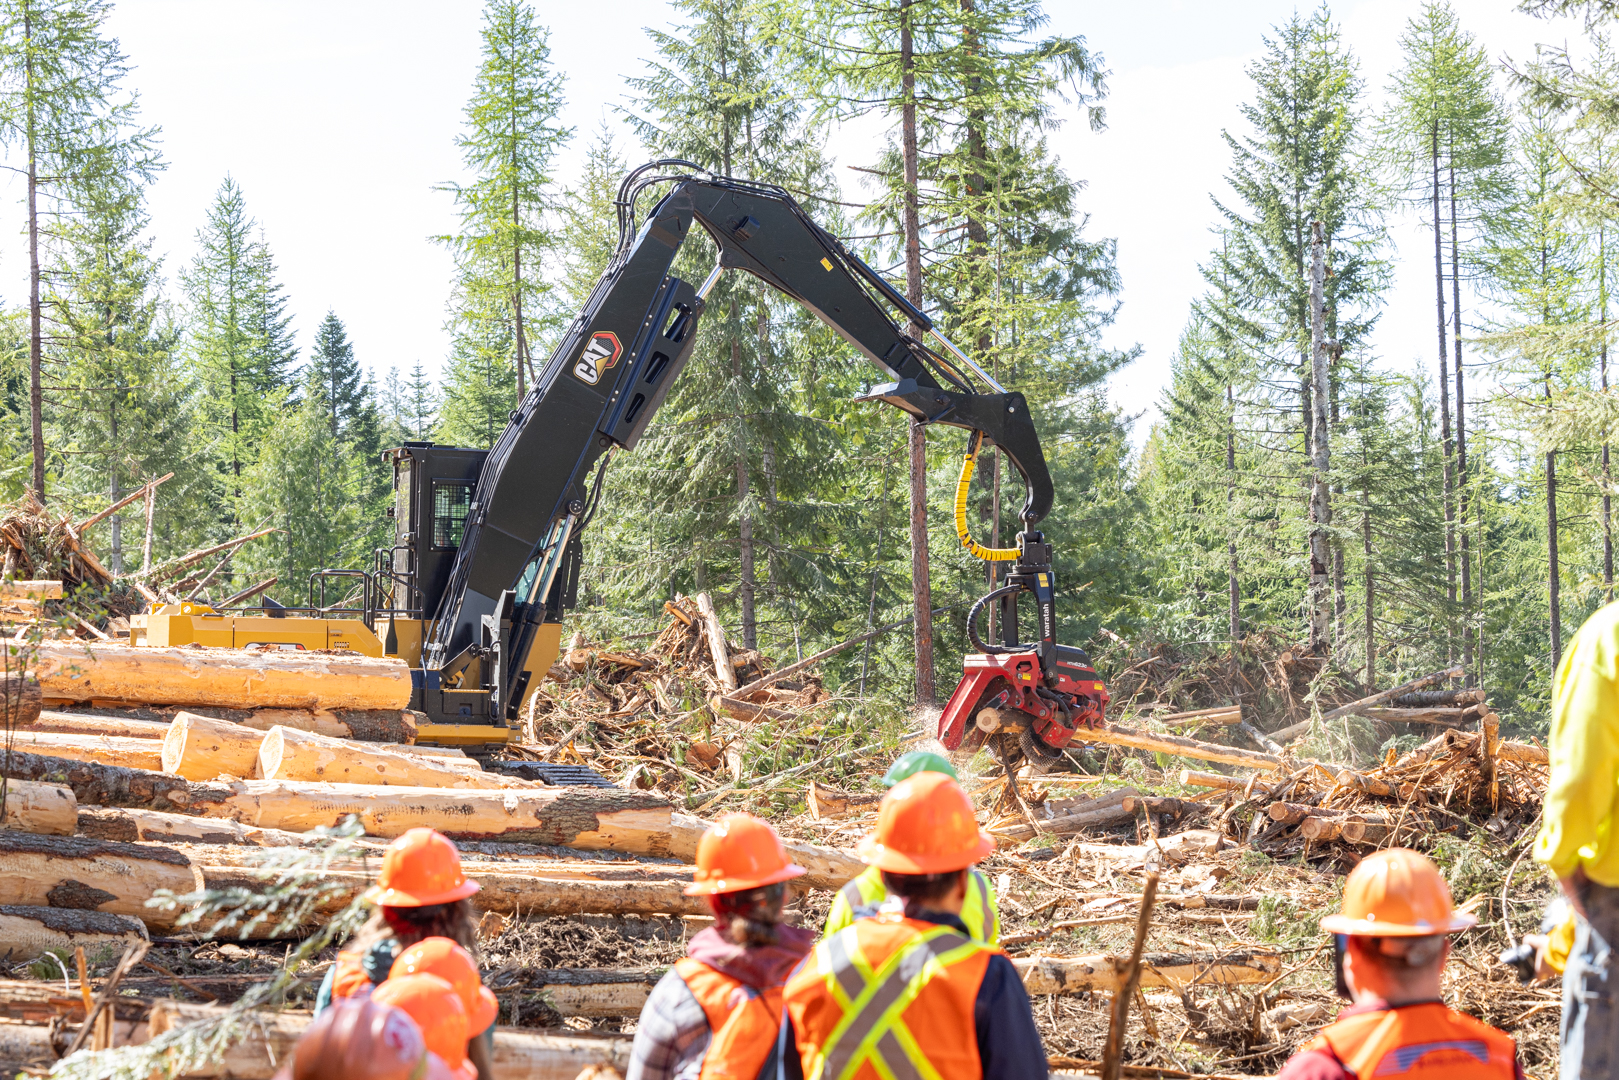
(518, 561)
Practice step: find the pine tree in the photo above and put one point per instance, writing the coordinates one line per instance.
(70, 128)
(510, 140)
(239, 346)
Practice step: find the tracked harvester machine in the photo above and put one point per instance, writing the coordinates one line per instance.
(487, 546)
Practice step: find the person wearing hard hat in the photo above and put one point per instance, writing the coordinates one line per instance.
(363, 1040)
(1390, 946)
(866, 894)
(437, 1009)
(716, 1013)
(421, 893)
(1579, 840)
(444, 958)
(911, 993)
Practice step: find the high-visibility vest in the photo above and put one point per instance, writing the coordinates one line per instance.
(349, 978)
(889, 997)
(1427, 1041)
(868, 891)
(743, 1020)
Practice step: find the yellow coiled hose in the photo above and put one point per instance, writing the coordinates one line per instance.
(968, 465)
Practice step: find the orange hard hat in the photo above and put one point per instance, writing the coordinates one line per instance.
(737, 853)
(359, 1039)
(925, 826)
(435, 1006)
(442, 957)
(422, 868)
(1396, 893)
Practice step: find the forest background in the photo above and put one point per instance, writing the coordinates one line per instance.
(1466, 508)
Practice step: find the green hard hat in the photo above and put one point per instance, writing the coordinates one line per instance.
(919, 761)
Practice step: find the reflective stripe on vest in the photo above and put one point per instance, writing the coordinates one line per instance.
(743, 1021)
(866, 890)
(872, 1001)
(1428, 1041)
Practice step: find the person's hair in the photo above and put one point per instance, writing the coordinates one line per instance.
(750, 917)
(1401, 957)
(919, 891)
(457, 921)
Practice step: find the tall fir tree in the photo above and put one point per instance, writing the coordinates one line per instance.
(509, 143)
(239, 347)
(69, 128)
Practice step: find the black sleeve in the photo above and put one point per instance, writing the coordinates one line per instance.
(1008, 1042)
(789, 1066)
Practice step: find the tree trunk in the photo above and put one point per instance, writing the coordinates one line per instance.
(221, 677)
(745, 572)
(289, 754)
(1553, 584)
(96, 875)
(1463, 555)
(202, 748)
(921, 591)
(1370, 628)
(1447, 485)
(1234, 613)
(1320, 641)
(36, 389)
(106, 749)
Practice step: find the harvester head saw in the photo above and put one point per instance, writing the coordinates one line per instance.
(1022, 700)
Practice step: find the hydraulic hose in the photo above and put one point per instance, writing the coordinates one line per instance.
(972, 623)
(968, 465)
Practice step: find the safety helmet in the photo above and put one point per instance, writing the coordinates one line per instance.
(919, 761)
(1396, 893)
(422, 868)
(360, 1039)
(740, 852)
(435, 1006)
(925, 825)
(442, 957)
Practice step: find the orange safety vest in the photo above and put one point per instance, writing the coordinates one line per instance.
(890, 997)
(1427, 1041)
(743, 1021)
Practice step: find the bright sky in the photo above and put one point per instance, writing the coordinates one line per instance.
(337, 118)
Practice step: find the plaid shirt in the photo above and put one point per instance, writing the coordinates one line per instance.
(672, 1035)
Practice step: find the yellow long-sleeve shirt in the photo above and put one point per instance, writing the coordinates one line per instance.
(1583, 792)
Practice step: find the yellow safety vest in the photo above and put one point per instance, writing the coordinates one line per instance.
(978, 910)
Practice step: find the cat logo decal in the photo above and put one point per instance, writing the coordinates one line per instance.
(601, 352)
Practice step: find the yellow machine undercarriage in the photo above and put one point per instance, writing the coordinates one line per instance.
(199, 624)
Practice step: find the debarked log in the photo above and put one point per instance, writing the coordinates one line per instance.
(221, 677)
(520, 1054)
(89, 723)
(1180, 746)
(201, 748)
(132, 824)
(102, 749)
(46, 809)
(290, 754)
(1078, 974)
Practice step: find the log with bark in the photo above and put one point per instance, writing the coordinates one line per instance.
(94, 784)
(92, 875)
(131, 824)
(520, 1054)
(230, 678)
(45, 809)
(27, 933)
(20, 700)
(1220, 714)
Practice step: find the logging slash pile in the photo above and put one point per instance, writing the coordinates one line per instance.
(1220, 827)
